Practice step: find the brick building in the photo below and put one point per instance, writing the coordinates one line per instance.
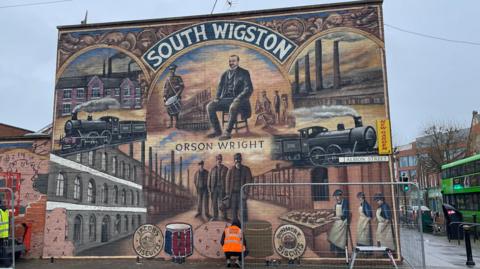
(124, 87)
(26, 152)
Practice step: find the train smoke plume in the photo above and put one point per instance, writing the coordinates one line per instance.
(324, 112)
(97, 105)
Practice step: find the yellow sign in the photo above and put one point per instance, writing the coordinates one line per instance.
(384, 138)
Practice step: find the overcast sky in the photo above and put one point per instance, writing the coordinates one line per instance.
(428, 79)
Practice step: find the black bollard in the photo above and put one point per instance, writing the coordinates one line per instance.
(52, 260)
(475, 235)
(468, 246)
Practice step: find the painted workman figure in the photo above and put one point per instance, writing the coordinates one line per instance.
(201, 184)
(364, 231)
(384, 234)
(337, 236)
(276, 105)
(172, 94)
(233, 96)
(237, 176)
(216, 186)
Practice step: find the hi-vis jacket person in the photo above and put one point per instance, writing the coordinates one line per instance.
(4, 222)
(233, 243)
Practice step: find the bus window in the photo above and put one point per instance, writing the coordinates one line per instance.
(468, 201)
(469, 168)
(475, 201)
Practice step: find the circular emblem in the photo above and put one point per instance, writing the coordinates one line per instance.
(148, 241)
(289, 241)
(293, 28)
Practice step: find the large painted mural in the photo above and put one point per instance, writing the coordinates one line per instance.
(163, 122)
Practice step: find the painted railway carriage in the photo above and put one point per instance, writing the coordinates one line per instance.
(461, 186)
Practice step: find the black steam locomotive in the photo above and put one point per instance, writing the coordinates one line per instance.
(82, 134)
(317, 145)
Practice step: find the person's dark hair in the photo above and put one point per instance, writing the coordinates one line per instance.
(234, 55)
(236, 222)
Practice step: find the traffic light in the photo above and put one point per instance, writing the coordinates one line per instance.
(406, 186)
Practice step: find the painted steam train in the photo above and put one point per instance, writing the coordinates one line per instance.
(82, 134)
(317, 145)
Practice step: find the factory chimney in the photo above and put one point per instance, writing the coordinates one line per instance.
(180, 172)
(150, 165)
(296, 89)
(336, 66)
(308, 82)
(172, 168)
(109, 66)
(318, 65)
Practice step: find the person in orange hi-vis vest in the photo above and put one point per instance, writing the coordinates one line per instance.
(234, 243)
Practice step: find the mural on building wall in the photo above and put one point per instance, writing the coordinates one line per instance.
(176, 117)
(29, 158)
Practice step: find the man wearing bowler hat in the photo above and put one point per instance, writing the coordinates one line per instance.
(201, 184)
(216, 186)
(237, 176)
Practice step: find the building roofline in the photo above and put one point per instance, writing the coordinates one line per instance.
(25, 137)
(218, 15)
(18, 128)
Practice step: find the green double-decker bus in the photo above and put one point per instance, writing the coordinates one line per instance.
(461, 186)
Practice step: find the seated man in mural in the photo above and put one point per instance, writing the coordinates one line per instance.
(263, 109)
(233, 96)
(337, 236)
(384, 234)
(172, 95)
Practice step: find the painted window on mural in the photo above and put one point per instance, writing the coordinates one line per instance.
(122, 169)
(124, 197)
(132, 198)
(60, 185)
(95, 92)
(92, 228)
(77, 229)
(126, 223)
(77, 189)
(138, 197)
(117, 224)
(105, 193)
(67, 108)
(134, 176)
(115, 194)
(104, 161)
(80, 93)
(105, 229)
(67, 93)
(91, 192)
(114, 165)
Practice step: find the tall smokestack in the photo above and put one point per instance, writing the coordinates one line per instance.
(180, 171)
(104, 67)
(150, 165)
(296, 85)
(358, 121)
(336, 66)
(165, 173)
(142, 152)
(160, 169)
(172, 168)
(308, 82)
(188, 179)
(318, 65)
(109, 67)
(156, 164)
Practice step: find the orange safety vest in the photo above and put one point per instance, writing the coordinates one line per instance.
(233, 240)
